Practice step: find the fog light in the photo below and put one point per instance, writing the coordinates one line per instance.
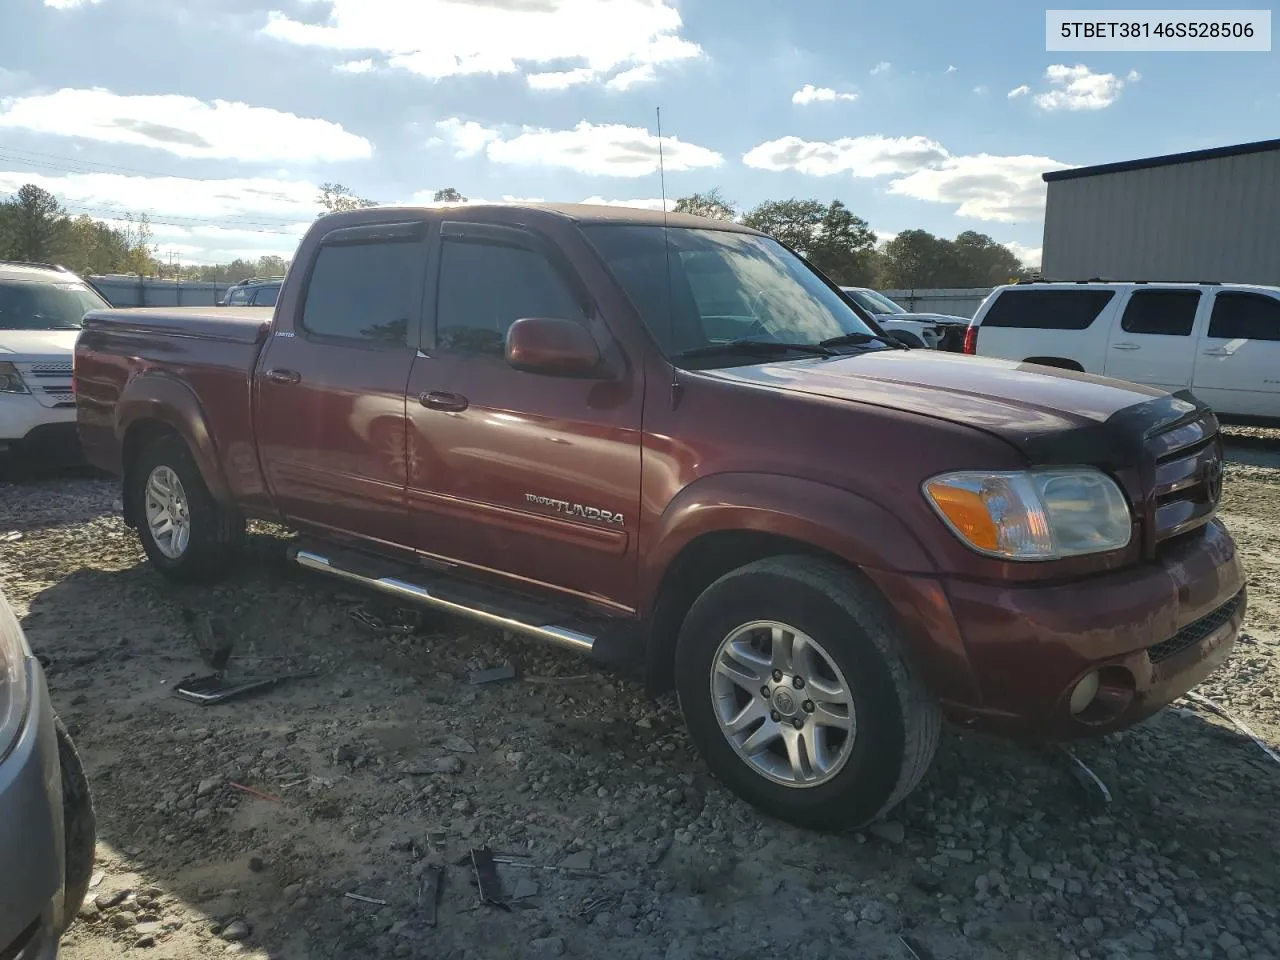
(1084, 693)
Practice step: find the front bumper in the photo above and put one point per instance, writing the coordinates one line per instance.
(1153, 632)
(31, 835)
(26, 424)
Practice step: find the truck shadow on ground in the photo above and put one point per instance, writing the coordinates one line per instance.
(388, 761)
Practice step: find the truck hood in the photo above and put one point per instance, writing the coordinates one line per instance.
(37, 344)
(923, 318)
(1051, 415)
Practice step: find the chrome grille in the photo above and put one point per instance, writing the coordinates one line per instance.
(61, 370)
(1187, 478)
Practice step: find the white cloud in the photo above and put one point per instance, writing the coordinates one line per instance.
(183, 126)
(562, 80)
(811, 94)
(444, 38)
(1079, 88)
(980, 90)
(1030, 256)
(609, 149)
(653, 203)
(468, 137)
(884, 66)
(869, 156)
(983, 186)
(1019, 91)
(355, 66)
(634, 77)
(69, 4)
(951, 69)
(208, 220)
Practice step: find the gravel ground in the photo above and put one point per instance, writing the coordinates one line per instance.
(388, 763)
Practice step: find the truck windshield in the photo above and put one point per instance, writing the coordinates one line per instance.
(724, 288)
(40, 305)
(873, 301)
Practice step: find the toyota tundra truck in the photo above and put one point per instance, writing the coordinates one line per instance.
(671, 443)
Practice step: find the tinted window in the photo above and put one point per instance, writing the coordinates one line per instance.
(1169, 313)
(722, 286)
(1047, 309)
(31, 305)
(485, 287)
(239, 295)
(266, 296)
(365, 291)
(1245, 316)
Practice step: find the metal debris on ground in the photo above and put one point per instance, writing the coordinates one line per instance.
(1240, 725)
(373, 900)
(12, 536)
(1086, 775)
(524, 863)
(595, 905)
(363, 616)
(429, 894)
(216, 688)
(254, 793)
(493, 674)
(487, 878)
(525, 889)
(915, 949)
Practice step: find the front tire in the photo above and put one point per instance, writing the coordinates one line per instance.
(798, 697)
(79, 826)
(187, 535)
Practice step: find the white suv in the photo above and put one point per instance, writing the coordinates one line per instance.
(41, 309)
(1221, 340)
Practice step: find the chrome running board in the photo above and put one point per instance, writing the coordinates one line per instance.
(468, 601)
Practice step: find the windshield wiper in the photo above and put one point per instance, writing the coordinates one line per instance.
(755, 347)
(853, 339)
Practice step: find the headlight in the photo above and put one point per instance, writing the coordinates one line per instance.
(11, 380)
(1035, 514)
(13, 679)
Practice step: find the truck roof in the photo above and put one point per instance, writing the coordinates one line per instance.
(580, 212)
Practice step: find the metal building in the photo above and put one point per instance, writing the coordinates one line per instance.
(1198, 216)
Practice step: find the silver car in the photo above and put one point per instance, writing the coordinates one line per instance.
(47, 832)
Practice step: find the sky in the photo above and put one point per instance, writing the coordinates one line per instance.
(220, 118)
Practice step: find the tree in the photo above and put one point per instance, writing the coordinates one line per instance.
(33, 225)
(830, 236)
(336, 198)
(916, 258)
(985, 263)
(449, 195)
(711, 204)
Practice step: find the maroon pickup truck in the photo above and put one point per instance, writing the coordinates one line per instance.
(672, 443)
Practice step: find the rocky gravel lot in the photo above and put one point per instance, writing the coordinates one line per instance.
(388, 764)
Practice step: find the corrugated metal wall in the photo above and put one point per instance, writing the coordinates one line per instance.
(958, 302)
(1204, 220)
(128, 291)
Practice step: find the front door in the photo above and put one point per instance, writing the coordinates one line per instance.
(1238, 363)
(1153, 342)
(330, 403)
(531, 480)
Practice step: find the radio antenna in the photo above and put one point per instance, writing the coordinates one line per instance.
(666, 245)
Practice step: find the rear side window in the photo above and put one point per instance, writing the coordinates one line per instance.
(240, 295)
(266, 296)
(365, 291)
(1169, 313)
(1245, 316)
(1047, 309)
(486, 286)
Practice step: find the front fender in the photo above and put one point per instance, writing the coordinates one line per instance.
(159, 397)
(837, 521)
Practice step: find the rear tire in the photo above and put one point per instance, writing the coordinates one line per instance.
(855, 762)
(79, 826)
(187, 535)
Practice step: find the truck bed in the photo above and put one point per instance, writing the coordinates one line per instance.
(199, 358)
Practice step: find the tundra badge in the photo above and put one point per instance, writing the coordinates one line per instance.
(575, 509)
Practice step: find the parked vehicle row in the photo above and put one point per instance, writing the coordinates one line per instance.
(252, 292)
(1220, 340)
(669, 441)
(937, 331)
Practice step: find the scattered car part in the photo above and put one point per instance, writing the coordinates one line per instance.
(487, 880)
(493, 674)
(1239, 724)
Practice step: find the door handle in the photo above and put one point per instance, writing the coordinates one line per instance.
(276, 375)
(1217, 352)
(452, 402)
(1125, 346)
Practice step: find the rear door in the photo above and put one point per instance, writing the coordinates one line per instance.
(530, 479)
(1153, 342)
(330, 404)
(1237, 366)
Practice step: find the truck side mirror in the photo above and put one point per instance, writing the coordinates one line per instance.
(552, 347)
